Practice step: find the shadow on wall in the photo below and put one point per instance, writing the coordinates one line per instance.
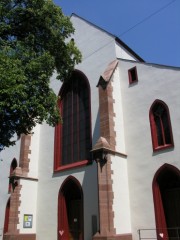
(96, 133)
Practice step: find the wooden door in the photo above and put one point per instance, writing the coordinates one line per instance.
(171, 202)
(75, 219)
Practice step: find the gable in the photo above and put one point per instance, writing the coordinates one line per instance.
(92, 39)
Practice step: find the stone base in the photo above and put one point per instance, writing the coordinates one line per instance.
(105, 238)
(19, 237)
(99, 236)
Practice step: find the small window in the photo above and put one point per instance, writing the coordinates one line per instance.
(133, 75)
(160, 126)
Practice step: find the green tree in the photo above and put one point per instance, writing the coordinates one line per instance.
(34, 42)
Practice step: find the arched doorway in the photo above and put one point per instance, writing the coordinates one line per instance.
(166, 191)
(6, 219)
(70, 210)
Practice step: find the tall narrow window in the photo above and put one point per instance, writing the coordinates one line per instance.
(160, 126)
(73, 136)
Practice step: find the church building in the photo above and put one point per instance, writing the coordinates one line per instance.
(111, 170)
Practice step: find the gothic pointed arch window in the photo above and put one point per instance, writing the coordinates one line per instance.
(12, 168)
(73, 136)
(160, 123)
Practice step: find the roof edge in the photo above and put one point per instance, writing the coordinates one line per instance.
(129, 49)
(117, 39)
(151, 64)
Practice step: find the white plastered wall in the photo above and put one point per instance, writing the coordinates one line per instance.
(118, 110)
(121, 204)
(34, 156)
(28, 195)
(122, 53)
(28, 200)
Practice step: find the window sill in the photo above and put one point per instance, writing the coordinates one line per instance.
(159, 148)
(133, 82)
(72, 165)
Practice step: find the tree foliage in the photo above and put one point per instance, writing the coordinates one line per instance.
(33, 44)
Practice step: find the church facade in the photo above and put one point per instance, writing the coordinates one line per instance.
(111, 170)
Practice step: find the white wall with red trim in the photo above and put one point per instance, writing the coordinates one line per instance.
(154, 82)
(6, 158)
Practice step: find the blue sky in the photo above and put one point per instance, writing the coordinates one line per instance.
(149, 27)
